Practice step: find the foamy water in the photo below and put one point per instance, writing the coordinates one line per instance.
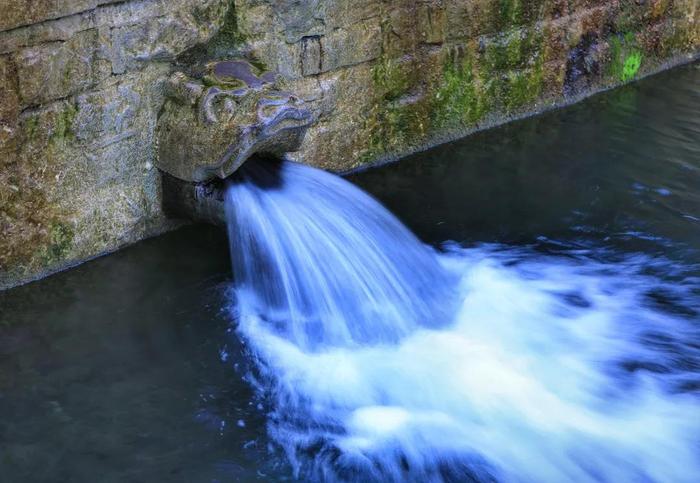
(383, 360)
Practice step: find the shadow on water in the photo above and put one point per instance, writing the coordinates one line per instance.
(619, 170)
(122, 370)
(126, 368)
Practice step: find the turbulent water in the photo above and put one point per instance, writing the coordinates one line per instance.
(383, 359)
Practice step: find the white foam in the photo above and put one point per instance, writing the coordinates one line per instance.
(522, 385)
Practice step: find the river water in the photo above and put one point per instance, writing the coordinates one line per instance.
(570, 348)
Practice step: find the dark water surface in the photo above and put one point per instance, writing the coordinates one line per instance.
(125, 369)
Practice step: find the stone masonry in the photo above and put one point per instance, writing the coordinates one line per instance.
(82, 85)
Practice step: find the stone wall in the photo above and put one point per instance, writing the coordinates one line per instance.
(81, 88)
(82, 85)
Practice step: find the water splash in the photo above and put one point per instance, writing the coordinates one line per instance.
(385, 361)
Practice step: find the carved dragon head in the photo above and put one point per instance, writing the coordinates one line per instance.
(210, 125)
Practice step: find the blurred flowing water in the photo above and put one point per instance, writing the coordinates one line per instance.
(546, 328)
(324, 264)
(383, 360)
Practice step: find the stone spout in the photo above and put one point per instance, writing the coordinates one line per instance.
(212, 124)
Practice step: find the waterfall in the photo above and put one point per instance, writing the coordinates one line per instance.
(383, 359)
(325, 264)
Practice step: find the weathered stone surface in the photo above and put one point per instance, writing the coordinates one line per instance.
(311, 55)
(58, 69)
(78, 109)
(9, 104)
(17, 13)
(350, 46)
(83, 83)
(238, 114)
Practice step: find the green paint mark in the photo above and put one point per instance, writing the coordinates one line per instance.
(625, 58)
(631, 66)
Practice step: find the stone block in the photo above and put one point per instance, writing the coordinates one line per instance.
(17, 13)
(432, 23)
(341, 13)
(59, 69)
(356, 44)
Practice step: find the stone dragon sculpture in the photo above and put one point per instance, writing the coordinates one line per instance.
(211, 123)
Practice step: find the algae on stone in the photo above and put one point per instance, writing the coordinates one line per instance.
(461, 97)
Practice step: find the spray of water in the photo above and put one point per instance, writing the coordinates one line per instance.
(384, 360)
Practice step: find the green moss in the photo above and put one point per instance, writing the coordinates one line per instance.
(513, 51)
(258, 64)
(391, 127)
(468, 91)
(228, 83)
(63, 124)
(511, 12)
(460, 97)
(523, 87)
(227, 41)
(500, 56)
(60, 240)
(389, 78)
(615, 67)
(504, 15)
(229, 30)
(507, 75)
(30, 126)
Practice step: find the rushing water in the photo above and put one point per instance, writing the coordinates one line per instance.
(324, 264)
(345, 313)
(555, 338)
